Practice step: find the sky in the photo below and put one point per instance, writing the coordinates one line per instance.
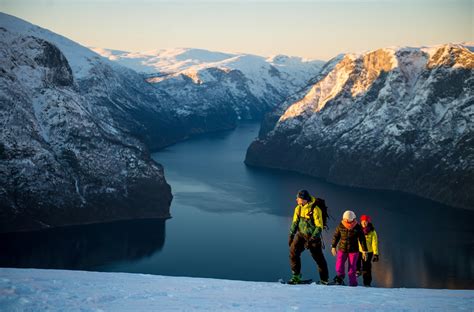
(318, 29)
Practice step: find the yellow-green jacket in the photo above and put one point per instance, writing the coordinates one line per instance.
(302, 221)
(372, 242)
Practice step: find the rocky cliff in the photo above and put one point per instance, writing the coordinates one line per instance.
(398, 119)
(64, 159)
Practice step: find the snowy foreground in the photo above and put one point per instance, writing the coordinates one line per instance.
(55, 290)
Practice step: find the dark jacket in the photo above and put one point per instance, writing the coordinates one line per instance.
(349, 239)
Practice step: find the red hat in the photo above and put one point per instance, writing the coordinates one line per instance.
(365, 217)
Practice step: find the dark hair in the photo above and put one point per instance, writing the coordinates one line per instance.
(304, 194)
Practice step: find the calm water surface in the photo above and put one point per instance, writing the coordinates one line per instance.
(231, 221)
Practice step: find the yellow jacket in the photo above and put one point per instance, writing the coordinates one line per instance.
(372, 242)
(302, 219)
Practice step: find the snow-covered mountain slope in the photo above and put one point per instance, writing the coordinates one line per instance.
(66, 154)
(172, 61)
(272, 117)
(54, 290)
(394, 118)
(81, 59)
(164, 60)
(249, 84)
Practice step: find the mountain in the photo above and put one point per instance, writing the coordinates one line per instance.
(396, 118)
(70, 148)
(248, 85)
(162, 60)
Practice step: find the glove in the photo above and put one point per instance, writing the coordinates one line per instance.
(290, 239)
(333, 251)
(364, 255)
(376, 258)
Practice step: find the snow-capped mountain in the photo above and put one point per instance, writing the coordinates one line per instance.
(67, 150)
(200, 79)
(272, 117)
(187, 60)
(394, 118)
(164, 60)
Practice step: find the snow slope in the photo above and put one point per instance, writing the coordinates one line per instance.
(35, 290)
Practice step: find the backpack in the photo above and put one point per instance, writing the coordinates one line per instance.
(321, 203)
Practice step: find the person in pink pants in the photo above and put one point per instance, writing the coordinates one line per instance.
(347, 237)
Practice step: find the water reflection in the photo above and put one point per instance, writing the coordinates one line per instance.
(436, 257)
(83, 247)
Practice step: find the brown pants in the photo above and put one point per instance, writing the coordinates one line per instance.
(315, 248)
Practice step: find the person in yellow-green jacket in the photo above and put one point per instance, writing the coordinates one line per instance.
(305, 233)
(373, 248)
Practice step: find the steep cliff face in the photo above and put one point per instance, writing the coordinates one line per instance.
(61, 162)
(271, 118)
(398, 119)
(214, 90)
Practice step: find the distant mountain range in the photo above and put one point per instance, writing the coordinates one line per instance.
(199, 79)
(395, 118)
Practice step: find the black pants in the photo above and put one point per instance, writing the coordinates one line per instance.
(315, 248)
(366, 267)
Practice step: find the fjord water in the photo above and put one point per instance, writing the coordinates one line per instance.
(231, 221)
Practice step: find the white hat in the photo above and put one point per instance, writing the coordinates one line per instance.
(349, 215)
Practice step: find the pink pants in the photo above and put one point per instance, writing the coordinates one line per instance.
(341, 263)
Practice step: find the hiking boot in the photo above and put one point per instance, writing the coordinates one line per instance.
(295, 279)
(323, 283)
(338, 281)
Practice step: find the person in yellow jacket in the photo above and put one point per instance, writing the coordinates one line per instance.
(305, 233)
(373, 248)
